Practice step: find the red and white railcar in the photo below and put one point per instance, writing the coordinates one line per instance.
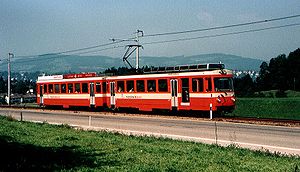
(180, 88)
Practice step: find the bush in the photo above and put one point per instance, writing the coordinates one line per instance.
(259, 94)
(280, 93)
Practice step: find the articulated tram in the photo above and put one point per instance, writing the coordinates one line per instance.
(194, 87)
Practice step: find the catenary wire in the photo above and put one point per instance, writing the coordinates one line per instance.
(167, 33)
(223, 27)
(74, 50)
(165, 41)
(174, 40)
(223, 34)
(66, 55)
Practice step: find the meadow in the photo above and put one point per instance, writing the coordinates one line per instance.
(26, 146)
(278, 108)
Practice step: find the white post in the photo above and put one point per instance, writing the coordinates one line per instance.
(8, 78)
(210, 111)
(137, 57)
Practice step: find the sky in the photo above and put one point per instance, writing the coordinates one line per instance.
(32, 27)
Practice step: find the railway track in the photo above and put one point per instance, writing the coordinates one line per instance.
(191, 116)
(262, 121)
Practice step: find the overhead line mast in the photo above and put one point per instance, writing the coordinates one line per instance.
(138, 47)
(133, 47)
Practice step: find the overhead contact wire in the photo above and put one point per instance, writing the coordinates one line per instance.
(223, 27)
(224, 34)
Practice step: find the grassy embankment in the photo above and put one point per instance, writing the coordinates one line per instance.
(42, 147)
(279, 108)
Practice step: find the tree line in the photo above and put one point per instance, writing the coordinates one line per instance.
(281, 73)
(17, 86)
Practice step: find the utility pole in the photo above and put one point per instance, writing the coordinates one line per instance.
(10, 55)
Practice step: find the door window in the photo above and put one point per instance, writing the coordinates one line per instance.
(98, 87)
(185, 90)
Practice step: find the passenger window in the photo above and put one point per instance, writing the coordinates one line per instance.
(56, 86)
(85, 88)
(120, 85)
(70, 88)
(209, 84)
(151, 86)
(197, 84)
(63, 88)
(45, 88)
(130, 86)
(77, 88)
(98, 87)
(50, 88)
(140, 84)
(162, 85)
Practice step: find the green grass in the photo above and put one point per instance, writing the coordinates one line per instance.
(272, 93)
(280, 108)
(27, 146)
(291, 93)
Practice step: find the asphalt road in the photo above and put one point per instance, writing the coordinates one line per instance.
(273, 138)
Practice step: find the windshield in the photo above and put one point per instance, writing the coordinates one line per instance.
(223, 84)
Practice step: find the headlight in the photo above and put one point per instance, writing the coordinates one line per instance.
(219, 99)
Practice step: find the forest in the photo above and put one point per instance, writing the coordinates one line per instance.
(281, 73)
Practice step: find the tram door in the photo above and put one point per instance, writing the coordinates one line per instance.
(92, 95)
(174, 93)
(104, 90)
(41, 95)
(112, 94)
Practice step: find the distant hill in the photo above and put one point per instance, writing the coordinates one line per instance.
(230, 61)
(63, 63)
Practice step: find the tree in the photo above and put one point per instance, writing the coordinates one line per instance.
(244, 87)
(21, 87)
(281, 73)
(263, 80)
(294, 70)
(3, 85)
(278, 68)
